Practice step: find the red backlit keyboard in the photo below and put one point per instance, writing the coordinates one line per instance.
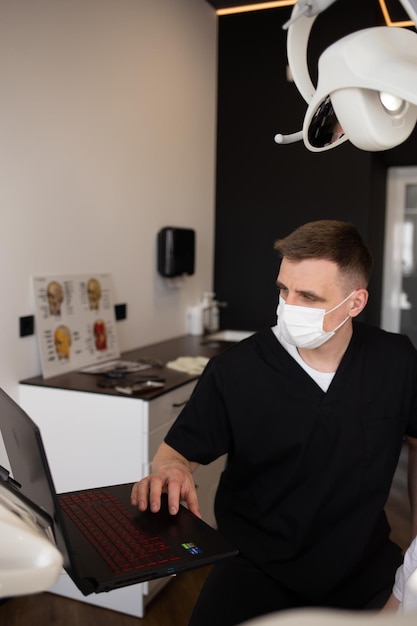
(109, 527)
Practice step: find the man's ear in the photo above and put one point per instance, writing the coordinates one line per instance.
(358, 302)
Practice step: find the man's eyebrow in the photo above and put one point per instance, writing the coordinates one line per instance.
(302, 292)
(311, 294)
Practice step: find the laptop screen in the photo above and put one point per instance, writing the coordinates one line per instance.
(28, 463)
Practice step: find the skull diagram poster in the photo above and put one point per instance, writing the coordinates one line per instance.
(75, 321)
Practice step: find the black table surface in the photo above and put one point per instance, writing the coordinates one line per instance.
(163, 352)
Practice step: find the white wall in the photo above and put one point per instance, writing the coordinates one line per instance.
(107, 134)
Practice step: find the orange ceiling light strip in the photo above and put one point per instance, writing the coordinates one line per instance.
(255, 7)
(387, 17)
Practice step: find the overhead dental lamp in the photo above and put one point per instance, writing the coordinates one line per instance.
(367, 83)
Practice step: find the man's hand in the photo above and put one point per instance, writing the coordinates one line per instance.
(391, 605)
(171, 473)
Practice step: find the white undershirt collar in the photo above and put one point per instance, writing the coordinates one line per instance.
(323, 379)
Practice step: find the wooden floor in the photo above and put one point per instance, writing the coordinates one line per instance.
(171, 607)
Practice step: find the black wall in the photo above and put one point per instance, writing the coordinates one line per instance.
(264, 190)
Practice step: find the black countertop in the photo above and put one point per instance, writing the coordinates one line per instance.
(186, 345)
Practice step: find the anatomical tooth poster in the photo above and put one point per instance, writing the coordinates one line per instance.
(75, 321)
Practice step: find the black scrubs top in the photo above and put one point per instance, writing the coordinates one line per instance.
(308, 472)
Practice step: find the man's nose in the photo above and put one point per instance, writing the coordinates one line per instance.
(291, 298)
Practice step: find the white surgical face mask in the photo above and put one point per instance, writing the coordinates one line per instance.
(302, 326)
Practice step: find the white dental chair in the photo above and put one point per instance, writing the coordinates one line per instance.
(331, 617)
(29, 561)
(328, 617)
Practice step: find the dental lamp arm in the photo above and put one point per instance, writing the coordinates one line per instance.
(292, 138)
(298, 35)
(309, 8)
(411, 7)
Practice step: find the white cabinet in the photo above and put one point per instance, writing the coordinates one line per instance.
(90, 439)
(96, 439)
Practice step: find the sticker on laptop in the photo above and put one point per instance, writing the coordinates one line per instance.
(191, 548)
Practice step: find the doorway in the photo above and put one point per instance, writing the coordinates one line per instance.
(399, 295)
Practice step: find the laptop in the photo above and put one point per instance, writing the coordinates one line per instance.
(86, 523)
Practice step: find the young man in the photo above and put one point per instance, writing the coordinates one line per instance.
(312, 414)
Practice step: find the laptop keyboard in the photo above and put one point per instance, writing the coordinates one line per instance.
(109, 527)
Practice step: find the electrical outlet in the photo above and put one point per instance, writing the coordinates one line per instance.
(120, 311)
(26, 326)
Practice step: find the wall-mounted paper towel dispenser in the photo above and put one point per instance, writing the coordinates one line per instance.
(176, 251)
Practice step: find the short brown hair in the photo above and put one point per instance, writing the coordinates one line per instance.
(332, 240)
